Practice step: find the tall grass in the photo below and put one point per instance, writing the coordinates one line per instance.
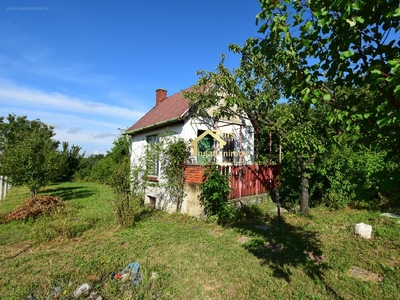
(184, 258)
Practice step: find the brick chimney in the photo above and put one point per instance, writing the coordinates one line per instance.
(161, 95)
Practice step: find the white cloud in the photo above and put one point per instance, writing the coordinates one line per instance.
(28, 96)
(74, 129)
(88, 124)
(105, 135)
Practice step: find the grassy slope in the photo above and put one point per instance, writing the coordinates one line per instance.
(299, 258)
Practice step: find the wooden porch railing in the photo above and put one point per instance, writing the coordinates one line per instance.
(245, 180)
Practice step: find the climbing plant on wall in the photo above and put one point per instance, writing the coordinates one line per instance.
(175, 155)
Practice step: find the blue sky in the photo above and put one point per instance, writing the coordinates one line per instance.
(88, 68)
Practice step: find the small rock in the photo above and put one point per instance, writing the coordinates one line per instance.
(31, 297)
(364, 275)
(84, 288)
(363, 230)
(243, 239)
(390, 215)
(93, 295)
(154, 275)
(57, 292)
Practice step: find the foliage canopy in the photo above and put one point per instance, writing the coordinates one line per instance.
(28, 152)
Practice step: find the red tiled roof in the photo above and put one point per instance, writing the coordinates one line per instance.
(170, 110)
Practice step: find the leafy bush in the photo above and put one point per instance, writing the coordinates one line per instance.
(215, 195)
(347, 174)
(344, 174)
(102, 170)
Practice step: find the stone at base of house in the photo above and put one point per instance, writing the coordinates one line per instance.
(254, 199)
(191, 205)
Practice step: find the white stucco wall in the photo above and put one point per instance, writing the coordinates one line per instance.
(139, 142)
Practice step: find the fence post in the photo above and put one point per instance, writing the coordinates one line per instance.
(278, 204)
(1, 187)
(6, 186)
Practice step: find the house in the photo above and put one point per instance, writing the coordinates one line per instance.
(225, 142)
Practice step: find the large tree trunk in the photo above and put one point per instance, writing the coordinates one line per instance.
(304, 208)
(304, 197)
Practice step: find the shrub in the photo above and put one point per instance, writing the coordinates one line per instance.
(124, 198)
(215, 195)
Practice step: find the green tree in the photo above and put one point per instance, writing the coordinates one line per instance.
(319, 46)
(305, 135)
(121, 147)
(68, 161)
(86, 165)
(28, 154)
(103, 168)
(252, 91)
(244, 92)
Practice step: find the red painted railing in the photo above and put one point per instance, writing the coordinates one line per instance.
(245, 180)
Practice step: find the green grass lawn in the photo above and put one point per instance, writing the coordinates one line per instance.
(184, 258)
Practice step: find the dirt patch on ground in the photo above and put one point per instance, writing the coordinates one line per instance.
(216, 232)
(243, 239)
(315, 258)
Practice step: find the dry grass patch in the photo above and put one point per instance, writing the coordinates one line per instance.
(12, 251)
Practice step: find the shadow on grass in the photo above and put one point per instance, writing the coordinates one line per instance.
(144, 213)
(68, 193)
(280, 246)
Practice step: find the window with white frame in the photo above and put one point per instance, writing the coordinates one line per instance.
(152, 159)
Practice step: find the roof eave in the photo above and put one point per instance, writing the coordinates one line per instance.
(156, 125)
